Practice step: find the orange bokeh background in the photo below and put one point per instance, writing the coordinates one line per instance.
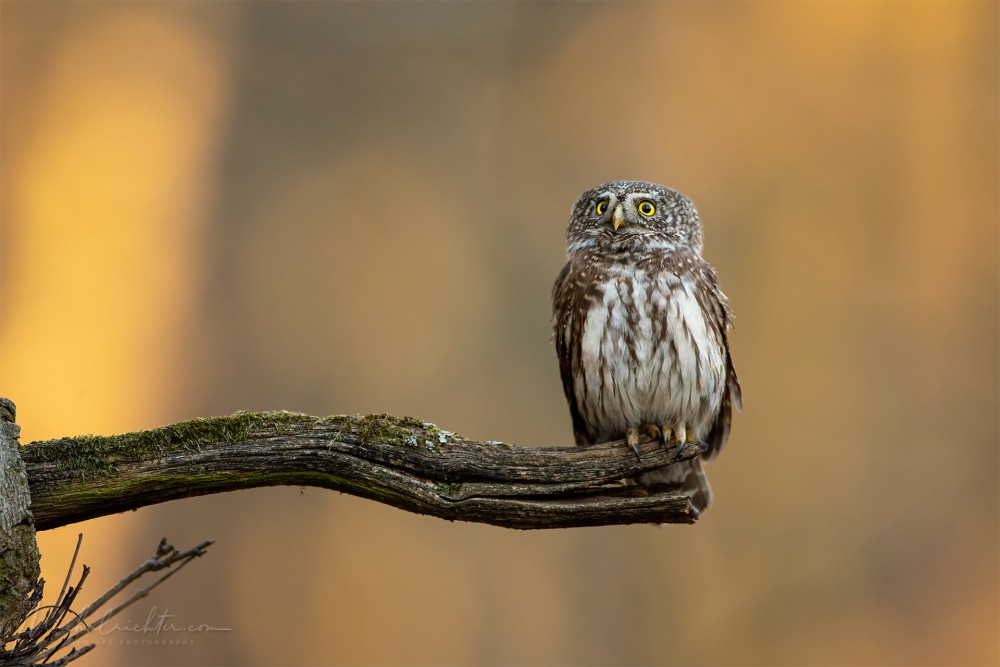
(353, 208)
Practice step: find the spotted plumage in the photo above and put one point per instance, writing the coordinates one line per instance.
(641, 328)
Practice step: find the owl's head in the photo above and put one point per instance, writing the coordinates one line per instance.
(634, 215)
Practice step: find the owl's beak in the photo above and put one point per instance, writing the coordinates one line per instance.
(619, 218)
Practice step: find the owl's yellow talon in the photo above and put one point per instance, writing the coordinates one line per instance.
(632, 438)
(680, 433)
(654, 431)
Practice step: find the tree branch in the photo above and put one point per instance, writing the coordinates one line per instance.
(404, 462)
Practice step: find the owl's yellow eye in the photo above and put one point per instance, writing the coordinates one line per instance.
(602, 206)
(647, 208)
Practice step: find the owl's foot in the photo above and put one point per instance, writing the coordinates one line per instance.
(632, 438)
(680, 434)
(675, 434)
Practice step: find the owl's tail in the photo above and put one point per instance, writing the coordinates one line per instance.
(688, 476)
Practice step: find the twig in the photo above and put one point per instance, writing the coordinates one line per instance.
(69, 571)
(166, 557)
(34, 646)
(29, 644)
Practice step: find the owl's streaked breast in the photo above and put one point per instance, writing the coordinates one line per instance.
(648, 354)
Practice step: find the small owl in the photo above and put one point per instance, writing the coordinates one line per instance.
(641, 329)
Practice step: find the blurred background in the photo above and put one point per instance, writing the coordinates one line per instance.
(350, 208)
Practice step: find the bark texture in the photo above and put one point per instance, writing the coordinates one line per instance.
(403, 462)
(19, 557)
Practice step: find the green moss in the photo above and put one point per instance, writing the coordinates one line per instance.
(90, 455)
(97, 454)
(387, 428)
(391, 430)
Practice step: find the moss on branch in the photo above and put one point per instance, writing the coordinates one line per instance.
(401, 461)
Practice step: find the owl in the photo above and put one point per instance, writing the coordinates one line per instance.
(641, 330)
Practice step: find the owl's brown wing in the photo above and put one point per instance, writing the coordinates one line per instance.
(715, 305)
(567, 324)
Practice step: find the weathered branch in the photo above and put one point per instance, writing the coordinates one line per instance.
(402, 462)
